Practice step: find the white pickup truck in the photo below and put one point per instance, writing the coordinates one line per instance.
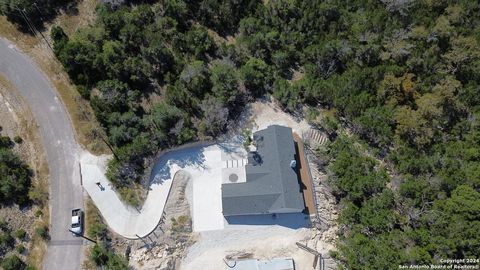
(77, 221)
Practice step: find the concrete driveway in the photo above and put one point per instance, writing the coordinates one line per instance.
(204, 164)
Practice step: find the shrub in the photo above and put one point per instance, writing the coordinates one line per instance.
(42, 231)
(13, 263)
(20, 234)
(18, 139)
(15, 178)
(99, 255)
(7, 242)
(98, 230)
(20, 249)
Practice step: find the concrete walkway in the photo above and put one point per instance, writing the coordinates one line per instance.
(203, 163)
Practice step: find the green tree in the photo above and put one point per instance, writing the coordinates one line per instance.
(169, 124)
(199, 43)
(225, 83)
(257, 76)
(286, 94)
(112, 96)
(15, 178)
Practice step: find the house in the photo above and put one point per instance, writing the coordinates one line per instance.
(272, 183)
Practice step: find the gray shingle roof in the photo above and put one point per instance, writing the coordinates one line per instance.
(272, 185)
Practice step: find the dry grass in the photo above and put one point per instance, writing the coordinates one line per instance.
(81, 114)
(79, 18)
(92, 215)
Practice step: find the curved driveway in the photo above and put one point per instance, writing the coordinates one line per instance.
(203, 162)
(57, 135)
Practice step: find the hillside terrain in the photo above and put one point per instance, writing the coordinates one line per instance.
(395, 85)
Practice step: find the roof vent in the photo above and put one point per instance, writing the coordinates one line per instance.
(233, 177)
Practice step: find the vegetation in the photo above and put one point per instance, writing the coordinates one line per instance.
(15, 176)
(101, 254)
(401, 76)
(20, 234)
(107, 259)
(132, 54)
(13, 262)
(42, 231)
(28, 14)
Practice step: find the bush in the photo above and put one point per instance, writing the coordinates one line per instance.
(130, 196)
(101, 256)
(18, 139)
(20, 249)
(98, 230)
(42, 231)
(20, 234)
(7, 242)
(5, 142)
(15, 178)
(13, 263)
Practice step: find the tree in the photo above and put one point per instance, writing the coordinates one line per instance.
(215, 117)
(123, 128)
(455, 220)
(225, 83)
(355, 177)
(15, 178)
(394, 91)
(60, 39)
(17, 10)
(170, 124)
(99, 255)
(112, 96)
(376, 125)
(80, 59)
(199, 43)
(413, 128)
(286, 94)
(224, 16)
(257, 76)
(113, 58)
(195, 79)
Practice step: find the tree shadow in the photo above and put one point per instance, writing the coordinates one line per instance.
(188, 157)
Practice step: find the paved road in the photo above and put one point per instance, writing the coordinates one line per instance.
(64, 251)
